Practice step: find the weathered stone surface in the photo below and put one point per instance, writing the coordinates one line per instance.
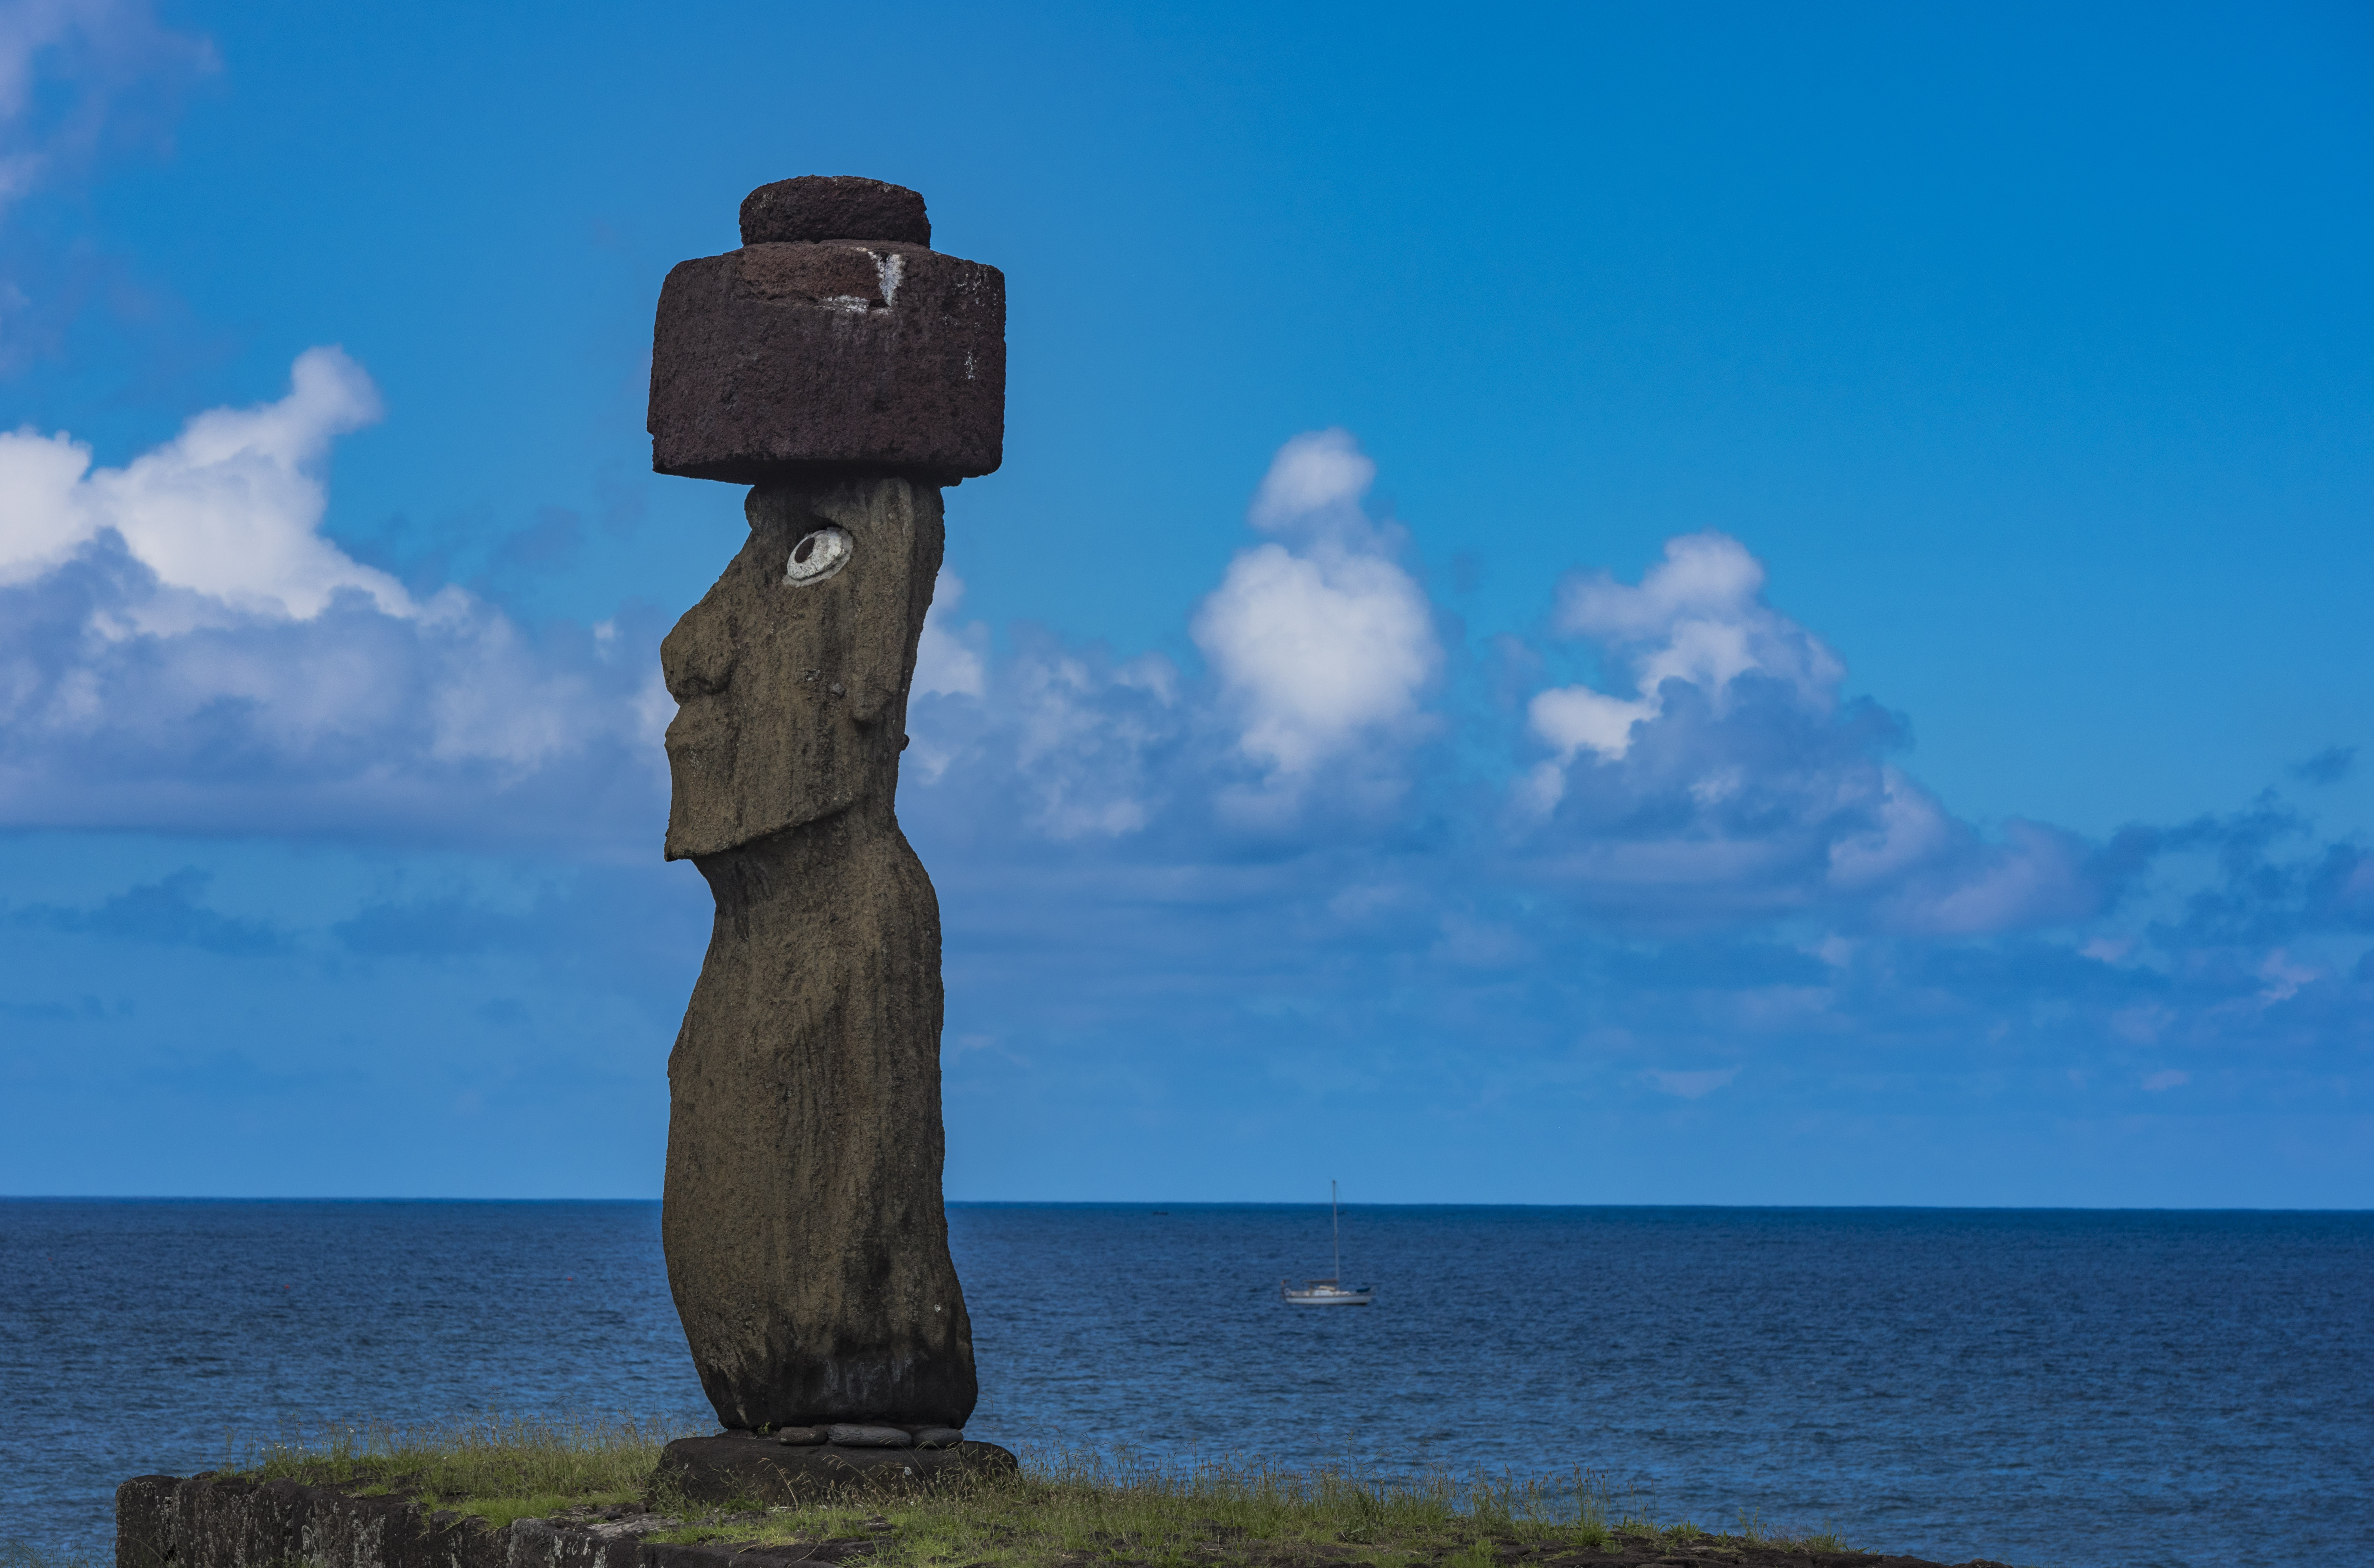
(939, 1437)
(217, 1522)
(872, 1436)
(721, 1469)
(834, 206)
(793, 698)
(799, 1436)
(212, 1521)
(562, 1543)
(782, 359)
(807, 1243)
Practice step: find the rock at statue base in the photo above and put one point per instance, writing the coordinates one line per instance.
(742, 1466)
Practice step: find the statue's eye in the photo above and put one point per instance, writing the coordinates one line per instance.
(819, 555)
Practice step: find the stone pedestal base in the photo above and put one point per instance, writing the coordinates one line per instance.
(745, 1467)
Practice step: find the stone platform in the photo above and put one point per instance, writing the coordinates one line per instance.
(218, 1521)
(742, 1465)
(222, 1521)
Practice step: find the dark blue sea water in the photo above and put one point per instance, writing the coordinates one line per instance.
(2048, 1386)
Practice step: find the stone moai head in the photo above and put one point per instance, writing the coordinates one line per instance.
(791, 674)
(846, 371)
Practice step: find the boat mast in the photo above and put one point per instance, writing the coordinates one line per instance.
(1336, 1216)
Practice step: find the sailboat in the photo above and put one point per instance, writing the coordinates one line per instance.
(1329, 1292)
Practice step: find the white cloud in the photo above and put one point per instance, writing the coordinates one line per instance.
(1316, 480)
(44, 522)
(2036, 876)
(230, 510)
(1730, 778)
(1061, 740)
(113, 56)
(1574, 718)
(950, 662)
(1911, 828)
(1083, 753)
(1698, 616)
(181, 646)
(1325, 644)
(1319, 647)
(182, 643)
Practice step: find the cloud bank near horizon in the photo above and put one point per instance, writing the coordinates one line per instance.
(1348, 841)
(182, 649)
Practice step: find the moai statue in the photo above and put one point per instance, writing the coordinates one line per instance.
(845, 371)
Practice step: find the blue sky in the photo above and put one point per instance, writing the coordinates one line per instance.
(1626, 603)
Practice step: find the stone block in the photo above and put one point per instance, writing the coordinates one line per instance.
(854, 1436)
(834, 206)
(806, 353)
(211, 1521)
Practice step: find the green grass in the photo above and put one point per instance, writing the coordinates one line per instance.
(494, 1468)
(1065, 1509)
(1069, 1508)
(1752, 1530)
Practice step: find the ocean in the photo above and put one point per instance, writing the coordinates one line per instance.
(2059, 1387)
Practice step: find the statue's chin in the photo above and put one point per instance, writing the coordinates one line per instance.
(689, 842)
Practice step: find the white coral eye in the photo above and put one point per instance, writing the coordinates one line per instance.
(819, 555)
